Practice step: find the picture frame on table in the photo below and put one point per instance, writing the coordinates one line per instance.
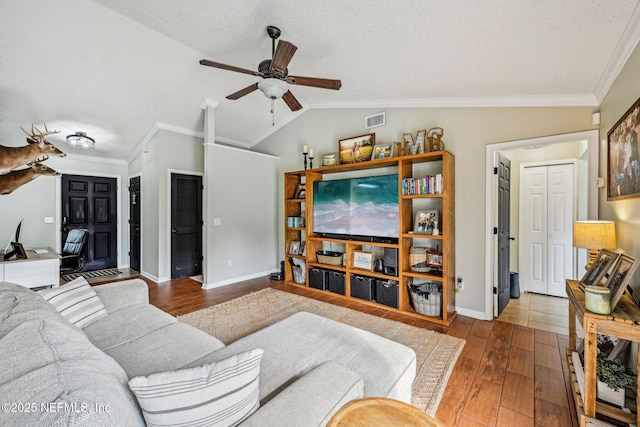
(425, 221)
(383, 151)
(434, 259)
(302, 250)
(363, 260)
(294, 249)
(600, 267)
(330, 159)
(19, 249)
(620, 276)
(623, 162)
(356, 148)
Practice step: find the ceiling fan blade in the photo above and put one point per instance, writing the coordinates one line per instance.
(284, 53)
(291, 101)
(314, 82)
(242, 92)
(229, 67)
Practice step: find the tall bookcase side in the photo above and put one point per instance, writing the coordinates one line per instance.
(292, 208)
(449, 237)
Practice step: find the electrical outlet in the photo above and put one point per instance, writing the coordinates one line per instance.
(459, 284)
(230, 263)
(48, 220)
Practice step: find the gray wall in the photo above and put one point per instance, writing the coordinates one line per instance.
(466, 133)
(625, 91)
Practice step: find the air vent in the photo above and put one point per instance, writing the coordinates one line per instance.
(374, 121)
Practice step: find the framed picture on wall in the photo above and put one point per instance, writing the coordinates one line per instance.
(623, 162)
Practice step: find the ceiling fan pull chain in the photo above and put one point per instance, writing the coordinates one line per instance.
(273, 112)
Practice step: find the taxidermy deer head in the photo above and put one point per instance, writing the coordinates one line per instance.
(14, 179)
(38, 150)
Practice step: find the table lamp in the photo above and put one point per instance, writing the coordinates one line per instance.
(594, 235)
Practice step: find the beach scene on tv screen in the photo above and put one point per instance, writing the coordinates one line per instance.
(357, 206)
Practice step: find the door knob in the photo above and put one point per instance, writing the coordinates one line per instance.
(512, 238)
(173, 230)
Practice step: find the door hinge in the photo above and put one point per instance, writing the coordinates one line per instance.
(495, 290)
(495, 171)
(495, 230)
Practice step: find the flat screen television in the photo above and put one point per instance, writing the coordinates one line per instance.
(363, 208)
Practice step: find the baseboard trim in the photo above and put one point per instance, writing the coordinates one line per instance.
(480, 315)
(150, 276)
(214, 285)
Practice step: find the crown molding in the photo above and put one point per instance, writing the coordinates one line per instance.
(570, 100)
(628, 41)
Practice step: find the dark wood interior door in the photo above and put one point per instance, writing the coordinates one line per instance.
(91, 202)
(186, 225)
(504, 229)
(134, 223)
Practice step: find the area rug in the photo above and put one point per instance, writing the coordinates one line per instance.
(436, 353)
(90, 274)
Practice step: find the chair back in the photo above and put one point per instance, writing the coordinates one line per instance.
(75, 241)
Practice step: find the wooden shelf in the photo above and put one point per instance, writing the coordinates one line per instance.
(624, 323)
(445, 164)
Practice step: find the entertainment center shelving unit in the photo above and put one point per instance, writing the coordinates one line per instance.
(406, 166)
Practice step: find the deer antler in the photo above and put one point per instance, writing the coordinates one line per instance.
(39, 135)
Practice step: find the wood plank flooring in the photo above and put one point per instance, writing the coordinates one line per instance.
(507, 374)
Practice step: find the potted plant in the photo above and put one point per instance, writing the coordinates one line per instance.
(613, 379)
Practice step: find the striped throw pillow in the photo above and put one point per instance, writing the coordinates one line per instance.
(77, 302)
(217, 394)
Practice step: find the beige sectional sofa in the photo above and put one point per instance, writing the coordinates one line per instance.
(58, 374)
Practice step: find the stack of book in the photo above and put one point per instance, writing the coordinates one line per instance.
(424, 185)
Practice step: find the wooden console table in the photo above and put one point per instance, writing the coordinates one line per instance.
(41, 268)
(624, 323)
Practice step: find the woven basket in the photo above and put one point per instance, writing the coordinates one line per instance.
(299, 270)
(427, 298)
(329, 257)
(418, 259)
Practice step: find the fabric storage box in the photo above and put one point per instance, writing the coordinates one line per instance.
(336, 282)
(363, 287)
(318, 278)
(387, 292)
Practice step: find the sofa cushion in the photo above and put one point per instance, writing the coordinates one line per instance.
(77, 302)
(50, 363)
(169, 348)
(301, 342)
(127, 324)
(218, 394)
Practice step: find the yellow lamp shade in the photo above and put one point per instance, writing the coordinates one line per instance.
(594, 234)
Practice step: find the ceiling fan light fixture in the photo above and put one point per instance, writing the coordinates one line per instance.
(273, 88)
(80, 140)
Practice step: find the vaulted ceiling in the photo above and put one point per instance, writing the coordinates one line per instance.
(119, 69)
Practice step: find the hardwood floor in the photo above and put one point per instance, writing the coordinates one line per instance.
(507, 374)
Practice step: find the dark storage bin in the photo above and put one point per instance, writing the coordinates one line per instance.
(514, 283)
(387, 292)
(318, 278)
(336, 282)
(363, 287)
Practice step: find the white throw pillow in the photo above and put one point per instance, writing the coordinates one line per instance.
(77, 302)
(223, 393)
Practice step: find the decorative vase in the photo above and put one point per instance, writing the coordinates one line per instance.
(379, 268)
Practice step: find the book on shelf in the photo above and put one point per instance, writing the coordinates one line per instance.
(429, 184)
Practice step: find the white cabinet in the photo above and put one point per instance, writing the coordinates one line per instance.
(39, 269)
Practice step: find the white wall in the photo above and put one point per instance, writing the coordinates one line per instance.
(466, 133)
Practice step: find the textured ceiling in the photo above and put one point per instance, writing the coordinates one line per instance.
(117, 69)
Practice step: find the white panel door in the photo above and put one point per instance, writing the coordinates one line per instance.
(560, 223)
(549, 215)
(534, 220)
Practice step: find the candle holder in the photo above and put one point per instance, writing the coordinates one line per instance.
(304, 153)
(310, 163)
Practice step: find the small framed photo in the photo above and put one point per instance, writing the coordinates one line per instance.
(300, 191)
(599, 268)
(20, 252)
(620, 277)
(434, 259)
(330, 159)
(383, 151)
(294, 249)
(426, 221)
(363, 260)
(303, 248)
(357, 148)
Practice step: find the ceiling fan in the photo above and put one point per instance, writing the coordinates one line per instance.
(275, 75)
